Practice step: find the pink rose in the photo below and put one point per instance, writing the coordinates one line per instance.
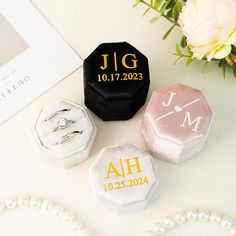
(210, 27)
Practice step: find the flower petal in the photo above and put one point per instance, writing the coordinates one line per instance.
(220, 53)
(232, 38)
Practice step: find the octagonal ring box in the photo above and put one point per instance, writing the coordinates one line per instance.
(176, 123)
(123, 178)
(116, 81)
(54, 123)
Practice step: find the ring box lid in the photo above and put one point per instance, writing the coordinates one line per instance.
(48, 139)
(116, 75)
(123, 178)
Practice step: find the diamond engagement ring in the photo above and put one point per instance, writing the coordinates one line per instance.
(63, 123)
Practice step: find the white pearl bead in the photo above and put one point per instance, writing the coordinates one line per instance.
(68, 216)
(233, 231)
(226, 223)
(84, 232)
(215, 218)
(180, 218)
(192, 215)
(169, 223)
(159, 229)
(57, 211)
(203, 215)
(10, 203)
(35, 202)
(76, 225)
(23, 201)
(47, 205)
(2, 206)
(150, 233)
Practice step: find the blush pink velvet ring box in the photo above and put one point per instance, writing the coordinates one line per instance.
(176, 123)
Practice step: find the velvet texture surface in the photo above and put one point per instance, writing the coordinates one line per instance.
(116, 81)
(45, 136)
(124, 178)
(176, 123)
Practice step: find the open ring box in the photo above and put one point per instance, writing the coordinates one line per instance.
(64, 133)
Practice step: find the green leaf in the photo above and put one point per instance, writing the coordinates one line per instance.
(190, 53)
(176, 11)
(189, 61)
(155, 19)
(220, 63)
(177, 59)
(171, 4)
(163, 7)
(136, 3)
(169, 13)
(183, 42)
(177, 49)
(224, 68)
(157, 3)
(148, 9)
(234, 49)
(168, 32)
(204, 67)
(234, 70)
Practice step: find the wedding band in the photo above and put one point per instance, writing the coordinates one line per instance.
(63, 123)
(69, 136)
(56, 113)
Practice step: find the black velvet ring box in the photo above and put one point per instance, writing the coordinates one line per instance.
(116, 81)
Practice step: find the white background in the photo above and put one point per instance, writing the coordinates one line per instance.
(207, 181)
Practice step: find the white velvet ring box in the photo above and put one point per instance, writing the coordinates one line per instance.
(123, 178)
(176, 123)
(64, 133)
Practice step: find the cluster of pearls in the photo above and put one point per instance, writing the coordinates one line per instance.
(159, 229)
(44, 204)
(191, 216)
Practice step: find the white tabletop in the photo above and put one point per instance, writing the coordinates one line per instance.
(207, 181)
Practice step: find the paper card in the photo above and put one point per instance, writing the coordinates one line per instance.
(33, 56)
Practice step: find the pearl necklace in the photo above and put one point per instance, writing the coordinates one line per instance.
(191, 216)
(44, 204)
(160, 228)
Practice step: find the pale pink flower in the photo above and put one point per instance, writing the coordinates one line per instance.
(210, 27)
